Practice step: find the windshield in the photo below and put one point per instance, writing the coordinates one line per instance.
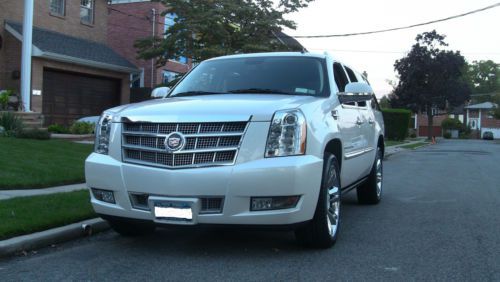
(262, 75)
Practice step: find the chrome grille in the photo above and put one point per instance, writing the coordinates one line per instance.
(207, 144)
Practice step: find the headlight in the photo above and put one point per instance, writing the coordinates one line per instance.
(287, 134)
(102, 134)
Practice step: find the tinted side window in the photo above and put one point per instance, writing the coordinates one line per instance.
(340, 77)
(351, 75)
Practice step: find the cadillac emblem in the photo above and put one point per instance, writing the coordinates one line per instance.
(175, 141)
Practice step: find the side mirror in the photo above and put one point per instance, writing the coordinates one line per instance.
(356, 92)
(160, 92)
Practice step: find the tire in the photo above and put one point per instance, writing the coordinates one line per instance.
(322, 230)
(370, 192)
(131, 228)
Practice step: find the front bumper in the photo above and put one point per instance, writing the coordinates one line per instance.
(285, 176)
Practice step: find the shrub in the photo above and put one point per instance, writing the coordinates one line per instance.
(413, 135)
(447, 135)
(451, 123)
(4, 99)
(396, 123)
(11, 123)
(82, 128)
(57, 128)
(33, 134)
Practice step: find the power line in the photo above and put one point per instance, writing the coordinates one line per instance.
(400, 28)
(392, 52)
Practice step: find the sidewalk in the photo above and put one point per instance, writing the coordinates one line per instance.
(391, 150)
(8, 194)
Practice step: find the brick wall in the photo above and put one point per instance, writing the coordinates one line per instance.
(422, 124)
(124, 30)
(69, 24)
(487, 121)
(10, 60)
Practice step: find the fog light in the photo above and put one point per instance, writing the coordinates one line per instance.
(104, 195)
(273, 203)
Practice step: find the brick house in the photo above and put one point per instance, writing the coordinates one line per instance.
(480, 118)
(130, 20)
(421, 123)
(74, 72)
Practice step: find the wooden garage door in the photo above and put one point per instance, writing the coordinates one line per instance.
(70, 96)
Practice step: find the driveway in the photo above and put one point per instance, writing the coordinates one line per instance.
(439, 220)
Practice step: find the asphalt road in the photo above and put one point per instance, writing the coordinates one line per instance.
(439, 220)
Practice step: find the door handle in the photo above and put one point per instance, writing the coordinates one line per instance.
(335, 114)
(359, 121)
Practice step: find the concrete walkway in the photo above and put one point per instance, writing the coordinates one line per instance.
(390, 150)
(8, 194)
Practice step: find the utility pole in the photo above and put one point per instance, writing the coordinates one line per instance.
(26, 55)
(153, 11)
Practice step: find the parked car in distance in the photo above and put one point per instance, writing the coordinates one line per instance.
(89, 119)
(270, 139)
(488, 135)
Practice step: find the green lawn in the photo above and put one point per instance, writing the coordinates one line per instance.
(31, 214)
(393, 143)
(414, 145)
(26, 163)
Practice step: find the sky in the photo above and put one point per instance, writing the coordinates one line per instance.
(476, 36)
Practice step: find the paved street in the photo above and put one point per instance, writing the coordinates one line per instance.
(439, 220)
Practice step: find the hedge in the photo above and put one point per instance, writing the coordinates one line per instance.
(396, 123)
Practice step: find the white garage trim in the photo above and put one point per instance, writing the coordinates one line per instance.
(496, 132)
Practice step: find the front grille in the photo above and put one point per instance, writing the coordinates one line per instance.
(209, 205)
(207, 144)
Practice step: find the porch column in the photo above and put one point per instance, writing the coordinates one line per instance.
(26, 55)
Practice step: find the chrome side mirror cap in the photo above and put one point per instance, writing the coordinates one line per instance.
(160, 92)
(356, 92)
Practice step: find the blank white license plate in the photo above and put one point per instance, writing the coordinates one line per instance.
(173, 210)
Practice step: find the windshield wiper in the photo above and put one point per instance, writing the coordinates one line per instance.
(195, 93)
(260, 91)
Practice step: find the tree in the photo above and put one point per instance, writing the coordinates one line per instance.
(384, 102)
(208, 28)
(430, 77)
(482, 76)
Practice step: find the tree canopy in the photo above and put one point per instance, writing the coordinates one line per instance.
(483, 76)
(430, 76)
(204, 29)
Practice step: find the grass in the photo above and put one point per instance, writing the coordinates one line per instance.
(26, 163)
(414, 145)
(393, 143)
(27, 215)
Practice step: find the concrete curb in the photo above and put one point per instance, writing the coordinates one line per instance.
(52, 236)
(8, 194)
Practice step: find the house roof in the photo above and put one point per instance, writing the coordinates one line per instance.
(57, 46)
(485, 105)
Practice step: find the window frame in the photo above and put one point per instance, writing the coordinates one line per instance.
(92, 13)
(56, 14)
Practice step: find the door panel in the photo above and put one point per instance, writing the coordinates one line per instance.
(348, 122)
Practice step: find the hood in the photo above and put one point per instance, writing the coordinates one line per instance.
(210, 108)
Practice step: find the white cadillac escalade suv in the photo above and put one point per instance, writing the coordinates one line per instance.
(256, 139)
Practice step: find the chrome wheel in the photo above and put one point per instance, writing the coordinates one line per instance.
(379, 171)
(333, 203)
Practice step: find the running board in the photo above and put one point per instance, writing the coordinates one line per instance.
(354, 185)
